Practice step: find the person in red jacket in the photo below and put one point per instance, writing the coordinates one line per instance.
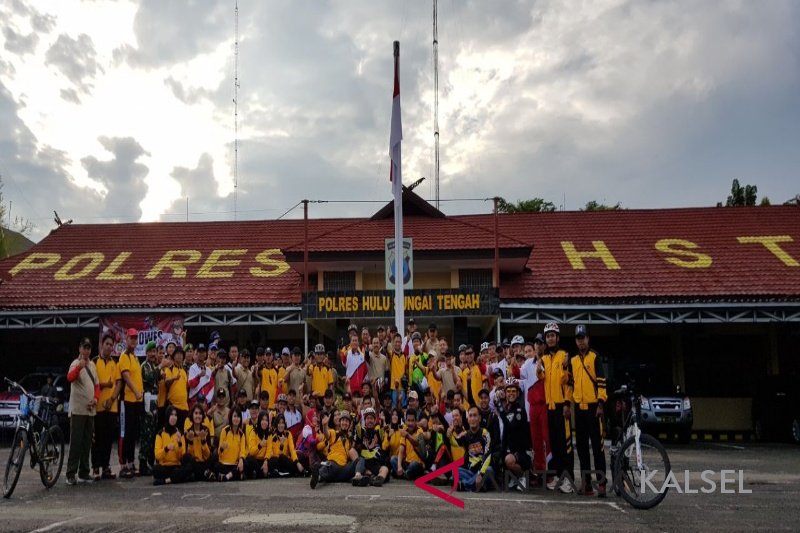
(532, 375)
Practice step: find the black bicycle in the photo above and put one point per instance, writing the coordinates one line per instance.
(639, 462)
(38, 434)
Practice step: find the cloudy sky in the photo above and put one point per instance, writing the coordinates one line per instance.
(120, 110)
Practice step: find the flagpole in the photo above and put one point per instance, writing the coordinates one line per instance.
(397, 187)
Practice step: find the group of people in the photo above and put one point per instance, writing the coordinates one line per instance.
(380, 407)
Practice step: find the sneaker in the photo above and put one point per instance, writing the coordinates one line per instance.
(566, 487)
(356, 481)
(126, 473)
(314, 476)
(587, 490)
(86, 480)
(108, 474)
(71, 480)
(158, 482)
(283, 474)
(377, 481)
(144, 470)
(511, 484)
(551, 485)
(522, 484)
(96, 474)
(601, 490)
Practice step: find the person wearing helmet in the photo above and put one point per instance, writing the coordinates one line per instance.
(507, 364)
(516, 437)
(320, 375)
(556, 376)
(338, 447)
(371, 444)
(588, 384)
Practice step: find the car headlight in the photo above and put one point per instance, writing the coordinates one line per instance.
(686, 404)
(645, 403)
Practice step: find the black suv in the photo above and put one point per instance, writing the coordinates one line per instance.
(664, 407)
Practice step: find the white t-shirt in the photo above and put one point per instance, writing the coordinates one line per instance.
(527, 378)
(354, 360)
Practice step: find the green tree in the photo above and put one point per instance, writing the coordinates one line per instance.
(765, 201)
(741, 196)
(534, 205)
(596, 206)
(19, 225)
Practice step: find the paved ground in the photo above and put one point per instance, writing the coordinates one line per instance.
(771, 472)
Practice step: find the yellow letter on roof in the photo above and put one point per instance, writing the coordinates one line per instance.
(601, 252)
(214, 260)
(92, 260)
(687, 258)
(171, 260)
(34, 261)
(277, 266)
(770, 242)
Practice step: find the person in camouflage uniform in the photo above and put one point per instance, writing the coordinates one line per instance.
(151, 373)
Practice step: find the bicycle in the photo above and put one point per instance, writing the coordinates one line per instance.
(639, 462)
(36, 425)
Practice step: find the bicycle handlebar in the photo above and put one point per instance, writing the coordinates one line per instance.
(17, 385)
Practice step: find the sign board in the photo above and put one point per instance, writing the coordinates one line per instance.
(380, 304)
(159, 328)
(407, 263)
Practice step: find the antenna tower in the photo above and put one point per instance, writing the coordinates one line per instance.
(236, 109)
(436, 100)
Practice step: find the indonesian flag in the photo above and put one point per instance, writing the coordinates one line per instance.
(396, 134)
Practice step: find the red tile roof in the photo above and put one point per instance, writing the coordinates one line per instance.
(728, 268)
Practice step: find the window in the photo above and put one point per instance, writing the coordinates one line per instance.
(340, 281)
(475, 278)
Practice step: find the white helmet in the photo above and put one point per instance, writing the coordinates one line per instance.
(518, 339)
(484, 346)
(368, 411)
(512, 382)
(552, 326)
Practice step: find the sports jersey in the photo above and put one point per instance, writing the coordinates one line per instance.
(478, 446)
(321, 379)
(177, 392)
(237, 446)
(586, 372)
(555, 378)
(129, 362)
(371, 443)
(166, 457)
(276, 448)
(408, 442)
(107, 371)
(336, 446)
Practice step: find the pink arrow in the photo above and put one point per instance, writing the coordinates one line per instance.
(422, 483)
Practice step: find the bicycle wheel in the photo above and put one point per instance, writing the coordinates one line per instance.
(641, 489)
(16, 456)
(51, 456)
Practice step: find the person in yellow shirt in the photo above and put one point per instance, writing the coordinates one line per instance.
(269, 376)
(409, 464)
(131, 375)
(258, 447)
(556, 376)
(472, 379)
(338, 447)
(107, 417)
(397, 370)
(198, 433)
(282, 453)
(232, 448)
(393, 431)
(588, 388)
(177, 387)
(455, 432)
(170, 450)
(320, 375)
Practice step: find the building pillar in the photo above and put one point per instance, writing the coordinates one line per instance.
(678, 369)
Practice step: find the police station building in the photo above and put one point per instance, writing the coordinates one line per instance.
(705, 298)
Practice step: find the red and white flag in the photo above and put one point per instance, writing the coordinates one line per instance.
(396, 134)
